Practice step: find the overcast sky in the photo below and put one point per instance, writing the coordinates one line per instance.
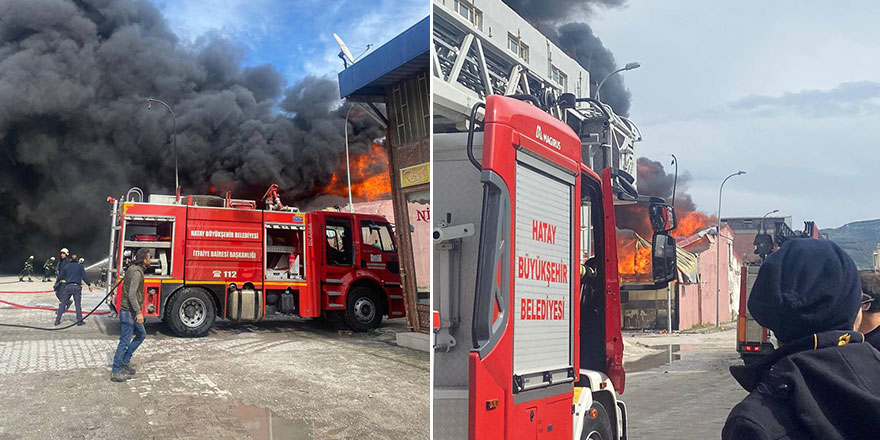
(789, 93)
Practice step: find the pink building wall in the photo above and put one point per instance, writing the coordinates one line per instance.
(697, 301)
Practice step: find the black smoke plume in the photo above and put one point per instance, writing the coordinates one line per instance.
(578, 40)
(75, 128)
(653, 180)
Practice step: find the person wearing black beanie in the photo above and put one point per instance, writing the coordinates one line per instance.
(822, 382)
(870, 323)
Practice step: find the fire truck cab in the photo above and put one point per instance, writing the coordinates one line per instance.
(215, 258)
(527, 323)
(754, 341)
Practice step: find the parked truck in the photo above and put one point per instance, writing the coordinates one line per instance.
(753, 340)
(527, 307)
(217, 257)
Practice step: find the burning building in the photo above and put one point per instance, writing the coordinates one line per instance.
(693, 295)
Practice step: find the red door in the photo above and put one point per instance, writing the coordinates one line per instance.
(338, 258)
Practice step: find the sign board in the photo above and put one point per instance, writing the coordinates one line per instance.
(415, 175)
(542, 340)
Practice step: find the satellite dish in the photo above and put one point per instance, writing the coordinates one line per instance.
(344, 53)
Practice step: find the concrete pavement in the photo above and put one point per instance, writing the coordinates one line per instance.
(294, 378)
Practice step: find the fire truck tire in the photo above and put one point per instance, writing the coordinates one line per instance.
(190, 313)
(363, 310)
(599, 428)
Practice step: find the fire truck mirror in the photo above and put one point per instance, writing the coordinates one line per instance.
(663, 257)
(662, 217)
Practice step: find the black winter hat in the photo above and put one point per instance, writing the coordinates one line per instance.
(141, 255)
(807, 286)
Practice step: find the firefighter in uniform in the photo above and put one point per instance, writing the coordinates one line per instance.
(62, 261)
(70, 282)
(28, 270)
(130, 317)
(49, 269)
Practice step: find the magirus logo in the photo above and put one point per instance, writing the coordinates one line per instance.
(547, 139)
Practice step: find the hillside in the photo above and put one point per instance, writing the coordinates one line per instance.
(859, 239)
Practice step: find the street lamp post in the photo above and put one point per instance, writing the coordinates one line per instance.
(347, 162)
(718, 253)
(150, 101)
(765, 216)
(628, 66)
(669, 285)
(675, 179)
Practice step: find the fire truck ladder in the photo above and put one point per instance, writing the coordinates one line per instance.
(467, 67)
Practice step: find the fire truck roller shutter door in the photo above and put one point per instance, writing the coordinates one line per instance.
(190, 312)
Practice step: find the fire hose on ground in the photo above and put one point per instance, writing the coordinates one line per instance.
(50, 329)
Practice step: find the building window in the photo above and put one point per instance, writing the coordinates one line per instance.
(410, 109)
(519, 48)
(469, 13)
(559, 77)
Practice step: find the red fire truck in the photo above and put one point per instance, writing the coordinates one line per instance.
(752, 340)
(527, 307)
(223, 258)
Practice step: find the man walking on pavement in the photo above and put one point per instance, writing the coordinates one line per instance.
(822, 382)
(28, 270)
(70, 283)
(49, 269)
(130, 317)
(870, 323)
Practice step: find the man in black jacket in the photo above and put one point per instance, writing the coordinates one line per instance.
(870, 322)
(823, 382)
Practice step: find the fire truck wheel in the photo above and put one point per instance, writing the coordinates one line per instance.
(599, 427)
(363, 311)
(190, 313)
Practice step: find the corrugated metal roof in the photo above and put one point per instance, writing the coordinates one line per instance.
(687, 262)
(396, 60)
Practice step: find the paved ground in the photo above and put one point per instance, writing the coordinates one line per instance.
(291, 379)
(688, 399)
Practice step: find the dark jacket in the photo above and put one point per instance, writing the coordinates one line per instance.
(62, 264)
(873, 338)
(824, 386)
(73, 273)
(133, 288)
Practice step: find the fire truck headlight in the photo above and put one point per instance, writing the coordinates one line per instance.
(151, 291)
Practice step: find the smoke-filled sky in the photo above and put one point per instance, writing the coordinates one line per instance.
(787, 92)
(74, 127)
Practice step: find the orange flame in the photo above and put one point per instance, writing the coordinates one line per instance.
(633, 259)
(692, 223)
(369, 177)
